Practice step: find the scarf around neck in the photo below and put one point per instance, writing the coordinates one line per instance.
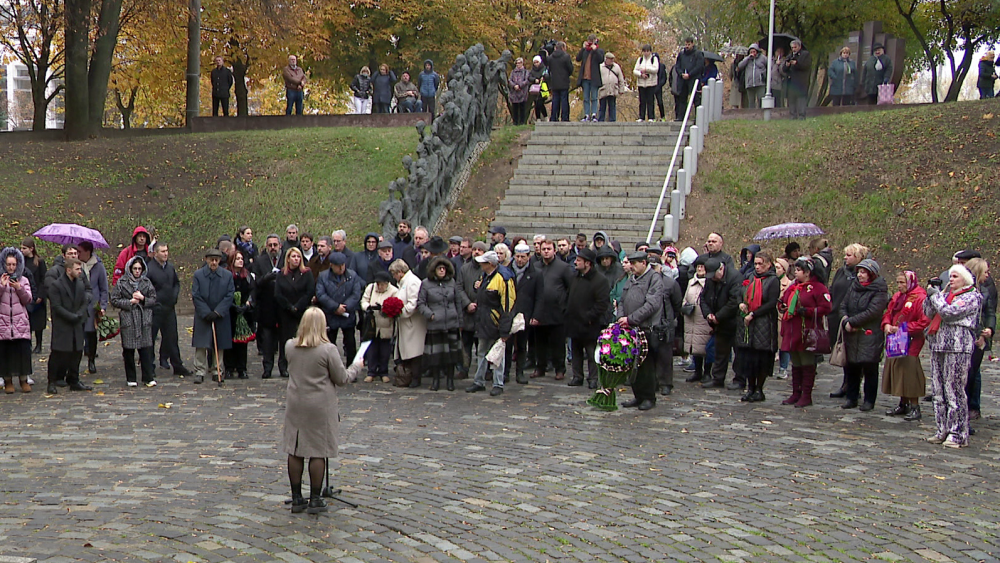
(935, 325)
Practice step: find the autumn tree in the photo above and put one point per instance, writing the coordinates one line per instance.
(32, 31)
(91, 31)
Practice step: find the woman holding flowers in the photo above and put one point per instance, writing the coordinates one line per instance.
(757, 337)
(802, 308)
(240, 317)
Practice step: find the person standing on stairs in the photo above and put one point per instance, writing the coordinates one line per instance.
(590, 58)
(560, 71)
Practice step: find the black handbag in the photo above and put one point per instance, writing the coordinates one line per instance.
(368, 329)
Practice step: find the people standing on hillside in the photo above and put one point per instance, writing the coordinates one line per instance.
(798, 66)
(518, 83)
(864, 341)
(15, 325)
(407, 96)
(612, 86)
(560, 70)
(987, 76)
(903, 376)
(843, 76)
(690, 67)
(877, 71)
(954, 312)
(212, 293)
(646, 68)
(428, 83)
(34, 264)
(135, 298)
(361, 87)
(590, 58)
(295, 83)
(778, 77)
(222, 83)
(139, 245)
(754, 68)
(382, 86)
(537, 75)
(69, 301)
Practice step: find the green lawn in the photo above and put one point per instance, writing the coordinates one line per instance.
(193, 188)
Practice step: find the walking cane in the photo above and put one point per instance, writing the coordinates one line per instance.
(218, 366)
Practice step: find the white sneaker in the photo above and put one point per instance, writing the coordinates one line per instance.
(30, 381)
(952, 443)
(151, 384)
(782, 374)
(936, 439)
(132, 384)
(638, 121)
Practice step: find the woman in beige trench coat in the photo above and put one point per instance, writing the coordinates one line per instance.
(411, 326)
(312, 421)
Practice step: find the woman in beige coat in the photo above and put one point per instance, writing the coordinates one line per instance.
(697, 331)
(411, 326)
(312, 421)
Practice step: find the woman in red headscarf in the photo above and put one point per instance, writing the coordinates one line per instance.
(904, 376)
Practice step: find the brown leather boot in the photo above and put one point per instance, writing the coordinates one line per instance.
(8, 385)
(25, 387)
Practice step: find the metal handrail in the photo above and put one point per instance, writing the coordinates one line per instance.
(673, 161)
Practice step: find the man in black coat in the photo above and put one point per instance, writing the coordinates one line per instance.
(664, 333)
(713, 247)
(527, 287)
(720, 305)
(560, 71)
(586, 308)
(798, 66)
(265, 269)
(222, 82)
(550, 312)
(69, 300)
(690, 67)
(164, 278)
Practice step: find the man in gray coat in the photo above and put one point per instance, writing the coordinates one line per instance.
(212, 292)
(69, 300)
(466, 278)
(641, 307)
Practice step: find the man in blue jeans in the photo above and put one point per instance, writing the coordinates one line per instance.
(560, 71)
(590, 58)
(295, 81)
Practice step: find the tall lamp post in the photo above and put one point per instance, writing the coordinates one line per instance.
(768, 102)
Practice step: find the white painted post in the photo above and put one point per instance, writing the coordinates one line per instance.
(677, 204)
(690, 161)
(670, 228)
(695, 140)
(717, 98)
(702, 119)
(707, 94)
(682, 182)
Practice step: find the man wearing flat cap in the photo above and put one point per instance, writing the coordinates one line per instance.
(338, 293)
(588, 303)
(498, 235)
(212, 292)
(720, 305)
(528, 287)
(641, 306)
(436, 246)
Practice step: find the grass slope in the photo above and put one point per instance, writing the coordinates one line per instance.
(193, 188)
(913, 184)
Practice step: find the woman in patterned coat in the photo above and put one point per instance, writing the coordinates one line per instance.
(954, 313)
(135, 297)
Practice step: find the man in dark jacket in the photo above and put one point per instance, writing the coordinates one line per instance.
(163, 276)
(402, 245)
(222, 82)
(720, 305)
(527, 283)
(799, 67)
(69, 300)
(586, 308)
(466, 279)
(494, 307)
(590, 58)
(265, 270)
(713, 247)
(338, 292)
(664, 334)
(550, 312)
(428, 83)
(291, 241)
(359, 263)
(384, 259)
(560, 71)
(641, 306)
(212, 291)
(320, 261)
(690, 67)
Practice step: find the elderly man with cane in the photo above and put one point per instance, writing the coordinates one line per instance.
(212, 292)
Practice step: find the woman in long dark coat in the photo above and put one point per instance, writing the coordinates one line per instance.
(757, 339)
(236, 357)
(294, 288)
(864, 341)
(36, 309)
(440, 302)
(312, 421)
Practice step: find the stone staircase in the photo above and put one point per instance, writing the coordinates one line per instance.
(588, 177)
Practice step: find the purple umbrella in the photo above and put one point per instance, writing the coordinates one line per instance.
(69, 233)
(788, 230)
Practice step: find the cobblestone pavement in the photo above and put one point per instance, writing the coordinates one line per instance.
(532, 475)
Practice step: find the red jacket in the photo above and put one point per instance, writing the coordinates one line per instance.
(912, 313)
(814, 305)
(127, 253)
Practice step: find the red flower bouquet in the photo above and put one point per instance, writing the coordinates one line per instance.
(392, 307)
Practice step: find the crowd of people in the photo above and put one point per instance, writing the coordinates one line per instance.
(435, 309)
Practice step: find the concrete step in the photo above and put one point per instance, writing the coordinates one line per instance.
(550, 191)
(644, 139)
(574, 216)
(567, 178)
(601, 161)
(522, 185)
(527, 229)
(630, 201)
(606, 128)
(587, 150)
